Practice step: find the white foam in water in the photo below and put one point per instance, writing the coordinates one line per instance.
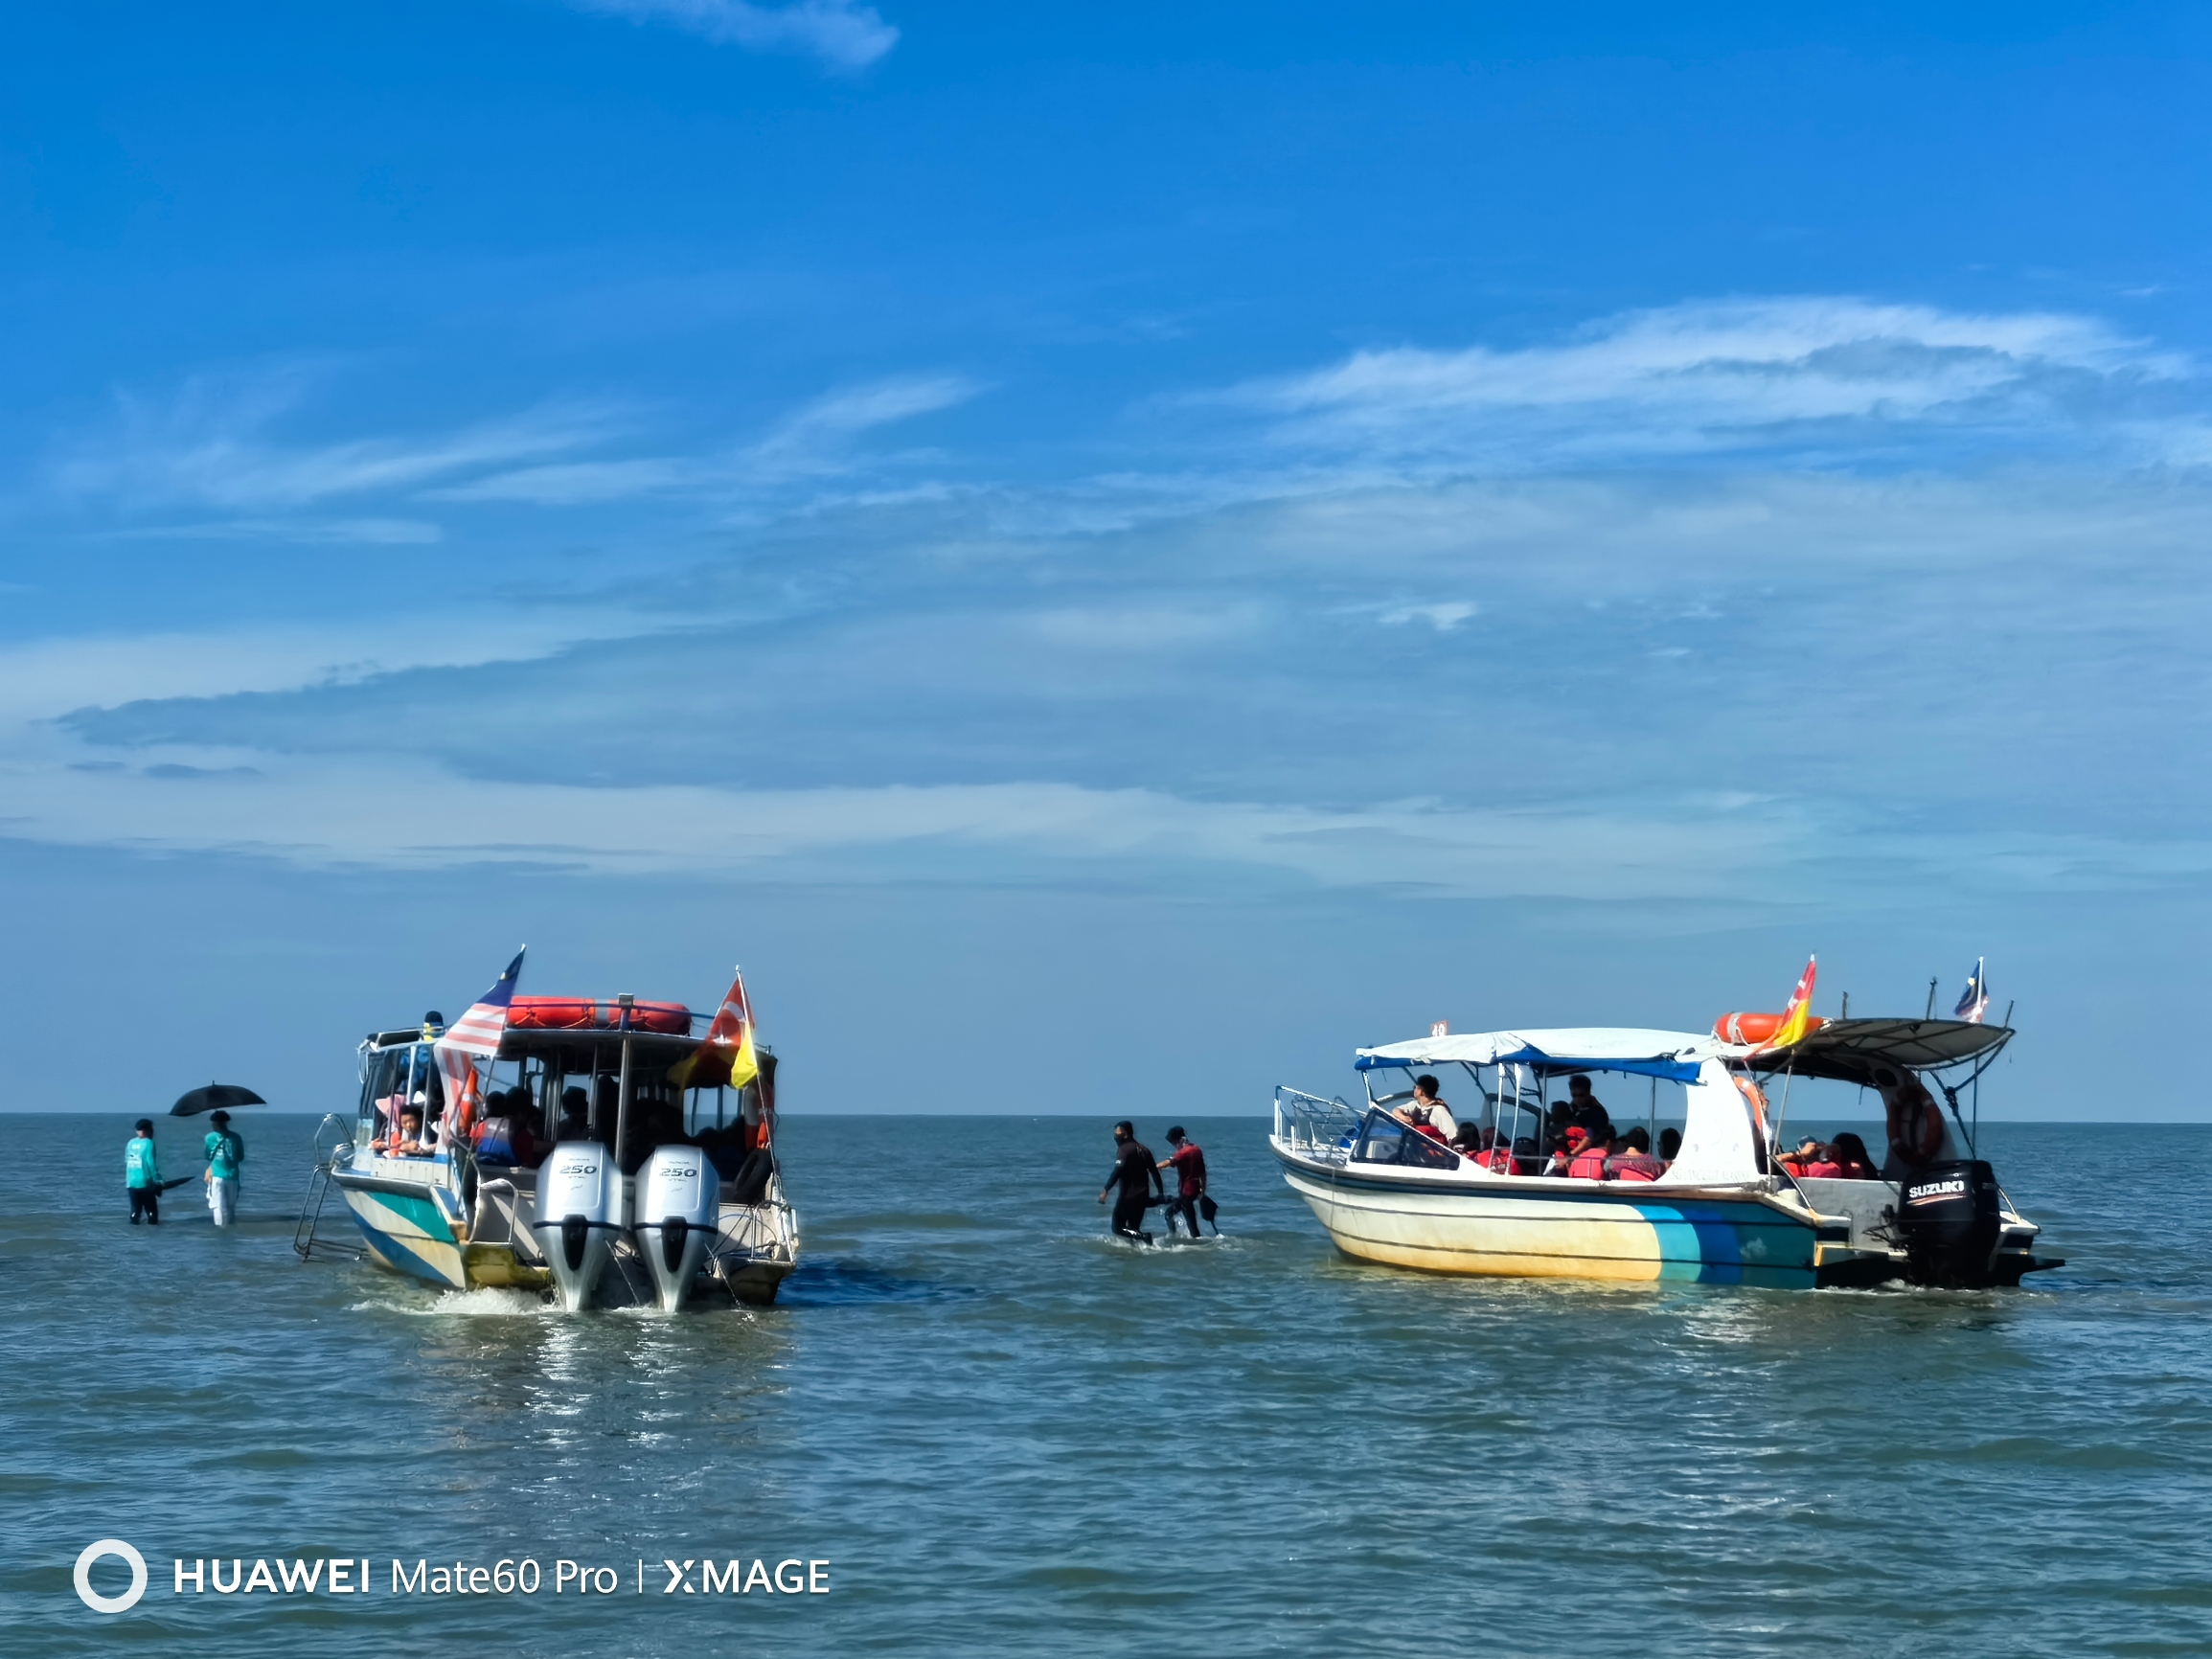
(479, 1304)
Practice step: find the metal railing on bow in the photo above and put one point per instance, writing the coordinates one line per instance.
(1313, 1127)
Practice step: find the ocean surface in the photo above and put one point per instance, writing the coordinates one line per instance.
(1006, 1435)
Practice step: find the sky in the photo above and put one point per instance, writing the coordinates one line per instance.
(1108, 555)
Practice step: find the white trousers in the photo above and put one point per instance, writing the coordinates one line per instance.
(223, 1198)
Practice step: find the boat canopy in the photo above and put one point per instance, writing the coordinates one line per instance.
(1674, 1054)
(1850, 1050)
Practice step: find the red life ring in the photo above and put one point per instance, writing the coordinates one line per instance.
(583, 1014)
(1915, 1125)
(1754, 1029)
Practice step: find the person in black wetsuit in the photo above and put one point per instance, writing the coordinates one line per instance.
(1138, 1180)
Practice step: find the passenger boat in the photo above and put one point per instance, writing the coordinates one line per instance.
(1724, 1211)
(694, 1204)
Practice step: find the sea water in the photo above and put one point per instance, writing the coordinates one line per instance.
(993, 1431)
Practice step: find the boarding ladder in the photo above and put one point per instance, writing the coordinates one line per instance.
(307, 1237)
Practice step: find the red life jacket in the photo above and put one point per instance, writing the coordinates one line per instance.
(1634, 1167)
(1497, 1158)
(1588, 1165)
(1431, 1131)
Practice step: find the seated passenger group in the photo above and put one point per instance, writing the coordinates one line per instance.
(1842, 1159)
(1581, 1142)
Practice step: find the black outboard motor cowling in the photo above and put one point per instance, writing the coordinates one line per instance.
(1947, 1220)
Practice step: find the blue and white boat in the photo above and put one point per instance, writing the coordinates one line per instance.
(1725, 1209)
(694, 1204)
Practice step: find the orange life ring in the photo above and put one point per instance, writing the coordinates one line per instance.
(1754, 1029)
(583, 1014)
(1915, 1123)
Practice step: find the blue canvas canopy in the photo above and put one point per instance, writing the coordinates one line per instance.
(1654, 1054)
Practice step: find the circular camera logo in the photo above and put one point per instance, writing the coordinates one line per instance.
(82, 1576)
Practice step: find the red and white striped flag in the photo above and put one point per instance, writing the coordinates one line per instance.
(475, 1035)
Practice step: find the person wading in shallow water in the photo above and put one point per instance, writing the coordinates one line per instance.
(141, 1175)
(1136, 1177)
(1190, 1166)
(225, 1152)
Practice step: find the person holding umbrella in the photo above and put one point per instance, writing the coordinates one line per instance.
(225, 1151)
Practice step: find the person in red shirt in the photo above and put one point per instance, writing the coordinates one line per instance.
(1190, 1166)
(1851, 1157)
(1587, 1155)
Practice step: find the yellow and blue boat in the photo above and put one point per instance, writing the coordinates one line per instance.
(1725, 1209)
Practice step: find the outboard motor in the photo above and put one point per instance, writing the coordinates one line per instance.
(679, 1209)
(1947, 1220)
(578, 1214)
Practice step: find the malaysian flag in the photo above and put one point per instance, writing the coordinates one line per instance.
(1974, 1001)
(475, 1035)
(727, 1055)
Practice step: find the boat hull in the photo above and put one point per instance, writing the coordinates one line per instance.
(406, 1229)
(409, 1228)
(1535, 1228)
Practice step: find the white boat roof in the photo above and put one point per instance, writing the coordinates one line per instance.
(1561, 1048)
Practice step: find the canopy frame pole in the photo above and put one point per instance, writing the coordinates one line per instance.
(626, 1002)
(592, 1106)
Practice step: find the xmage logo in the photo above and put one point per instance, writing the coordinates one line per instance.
(82, 1576)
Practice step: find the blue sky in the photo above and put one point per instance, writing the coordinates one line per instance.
(1153, 544)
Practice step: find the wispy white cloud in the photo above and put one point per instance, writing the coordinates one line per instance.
(818, 440)
(577, 483)
(367, 531)
(1443, 615)
(815, 439)
(209, 446)
(1709, 377)
(840, 33)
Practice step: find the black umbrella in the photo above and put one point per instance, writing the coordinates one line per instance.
(198, 1101)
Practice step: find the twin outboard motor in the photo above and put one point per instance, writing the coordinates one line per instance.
(1948, 1222)
(578, 1214)
(678, 1212)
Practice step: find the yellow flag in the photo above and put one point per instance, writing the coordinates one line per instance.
(1797, 1016)
(727, 1054)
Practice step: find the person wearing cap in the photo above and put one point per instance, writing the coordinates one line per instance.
(225, 1151)
(1190, 1165)
(142, 1176)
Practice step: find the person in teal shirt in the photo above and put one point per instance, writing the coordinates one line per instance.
(142, 1176)
(225, 1152)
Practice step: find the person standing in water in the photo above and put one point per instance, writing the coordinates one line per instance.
(1190, 1166)
(1132, 1170)
(225, 1151)
(142, 1176)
